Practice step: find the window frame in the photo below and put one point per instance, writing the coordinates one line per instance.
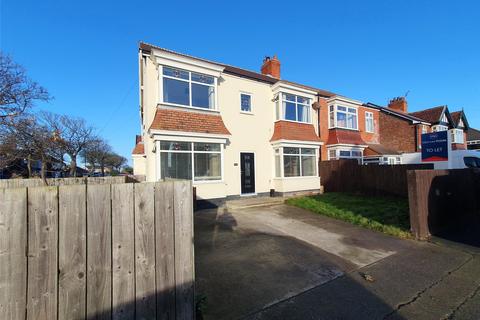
(281, 154)
(337, 151)
(454, 135)
(436, 128)
(335, 116)
(161, 76)
(251, 102)
(192, 153)
(369, 116)
(279, 107)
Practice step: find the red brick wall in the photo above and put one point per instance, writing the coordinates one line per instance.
(397, 134)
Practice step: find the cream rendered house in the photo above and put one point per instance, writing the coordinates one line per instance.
(232, 131)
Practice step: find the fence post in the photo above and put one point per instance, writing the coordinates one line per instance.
(418, 206)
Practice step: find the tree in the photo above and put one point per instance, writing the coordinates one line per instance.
(95, 154)
(115, 161)
(127, 170)
(73, 136)
(17, 91)
(28, 138)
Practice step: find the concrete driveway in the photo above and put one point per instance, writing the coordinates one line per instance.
(281, 262)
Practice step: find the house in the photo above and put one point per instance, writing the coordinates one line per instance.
(232, 131)
(473, 139)
(350, 129)
(402, 131)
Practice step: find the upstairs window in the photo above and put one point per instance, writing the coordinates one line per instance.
(439, 127)
(187, 88)
(246, 102)
(369, 125)
(457, 136)
(293, 108)
(343, 117)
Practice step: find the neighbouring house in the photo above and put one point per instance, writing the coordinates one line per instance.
(402, 131)
(232, 131)
(350, 129)
(473, 139)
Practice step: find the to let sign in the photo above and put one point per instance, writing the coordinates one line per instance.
(435, 146)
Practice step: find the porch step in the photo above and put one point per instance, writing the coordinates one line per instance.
(252, 202)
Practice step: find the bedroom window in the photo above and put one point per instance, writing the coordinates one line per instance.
(294, 108)
(343, 117)
(187, 88)
(369, 125)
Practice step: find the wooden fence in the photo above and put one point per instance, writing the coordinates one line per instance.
(348, 176)
(36, 182)
(105, 251)
(442, 199)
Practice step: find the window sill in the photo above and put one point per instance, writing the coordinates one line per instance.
(344, 129)
(188, 107)
(207, 182)
(293, 121)
(247, 113)
(294, 178)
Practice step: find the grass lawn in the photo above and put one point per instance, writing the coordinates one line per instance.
(384, 214)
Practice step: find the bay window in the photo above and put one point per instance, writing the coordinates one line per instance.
(457, 136)
(182, 160)
(439, 127)
(295, 162)
(344, 153)
(292, 107)
(343, 117)
(187, 88)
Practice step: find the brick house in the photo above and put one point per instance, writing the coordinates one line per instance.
(402, 131)
(473, 139)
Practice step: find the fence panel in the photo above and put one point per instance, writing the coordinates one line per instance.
(42, 253)
(348, 176)
(146, 304)
(123, 239)
(104, 251)
(72, 253)
(13, 262)
(99, 252)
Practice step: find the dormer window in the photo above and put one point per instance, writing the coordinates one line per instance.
(343, 117)
(185, 88)
(293, 108)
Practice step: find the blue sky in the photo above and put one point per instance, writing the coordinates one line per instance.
(85, 52)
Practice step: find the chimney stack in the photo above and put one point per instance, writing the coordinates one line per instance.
(271, 67)
(399, 104)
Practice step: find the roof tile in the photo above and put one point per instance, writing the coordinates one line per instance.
(287, 130)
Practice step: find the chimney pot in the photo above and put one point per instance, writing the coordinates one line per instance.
(399, 104)
(271, 67)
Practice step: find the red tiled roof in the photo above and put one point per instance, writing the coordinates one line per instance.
(340, 136)
(473, 134)
(237, 71)
(287, 130)
(139, 148)
(188, 121)
(431, 115)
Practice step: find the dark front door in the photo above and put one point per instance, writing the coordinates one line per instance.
(247, 169)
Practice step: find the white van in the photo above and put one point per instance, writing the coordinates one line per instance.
(457, 159)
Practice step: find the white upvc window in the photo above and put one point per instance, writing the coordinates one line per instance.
(295, 162)
(293, 108)
(343, 117)
(345, 153)
(439, 127)
(424, 129)
(189, 89)
(369, 124)
(457, 136)
(245, 102)
(184, 160)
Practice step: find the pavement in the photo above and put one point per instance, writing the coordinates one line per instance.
(280, 262)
